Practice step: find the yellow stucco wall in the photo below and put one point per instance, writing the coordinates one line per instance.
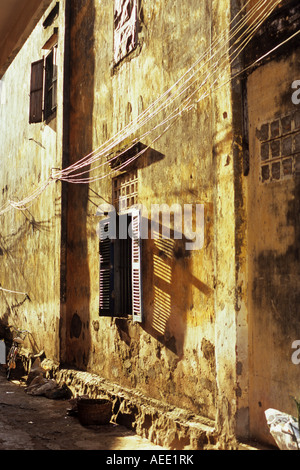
(30, 239)
(192, 350)
(273, 250)
(184, 352)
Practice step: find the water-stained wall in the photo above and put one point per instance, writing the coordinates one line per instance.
(30, 239)
(218, 320)
(177, 354)
(273, 237)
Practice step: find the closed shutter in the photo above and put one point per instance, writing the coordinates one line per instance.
(106, 270)
(36, 92)
(137, 313)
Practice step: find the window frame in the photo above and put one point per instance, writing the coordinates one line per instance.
(50, 84)
(110, 275)
(36, 91)
(131, 25)
(43, 83)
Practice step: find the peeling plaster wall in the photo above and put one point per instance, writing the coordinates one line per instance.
(30, 240)
(184, 352)
(273, 207)
(191, 349)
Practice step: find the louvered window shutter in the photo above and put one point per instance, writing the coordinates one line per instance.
(137, 313)
(36, 92)
(106, 274)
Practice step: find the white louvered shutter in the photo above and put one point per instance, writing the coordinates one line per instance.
(137, 313)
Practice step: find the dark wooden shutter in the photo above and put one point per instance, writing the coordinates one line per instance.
(137, 312)
(106, 275)
(36, 91)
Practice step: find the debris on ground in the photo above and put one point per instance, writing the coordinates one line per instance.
(284, 429)
(38, 384)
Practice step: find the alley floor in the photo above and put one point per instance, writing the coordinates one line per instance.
(37, 423)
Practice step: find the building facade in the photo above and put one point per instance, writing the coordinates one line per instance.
(149, 211)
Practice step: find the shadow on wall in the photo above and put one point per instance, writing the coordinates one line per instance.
(276, 286)
(77, 345)
(168, 282)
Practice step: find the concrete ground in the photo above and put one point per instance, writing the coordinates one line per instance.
(37, 423)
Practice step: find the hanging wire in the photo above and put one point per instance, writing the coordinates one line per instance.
(171, 94)
(184, 106)
(209, 66)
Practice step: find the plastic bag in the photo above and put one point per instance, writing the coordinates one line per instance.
(284, 429)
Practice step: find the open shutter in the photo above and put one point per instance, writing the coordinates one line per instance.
(125, 22)
(106, 274)
(137, 313)
(36, 92)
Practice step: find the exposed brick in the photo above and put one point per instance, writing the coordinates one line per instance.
(287, 166)
(275, 148)
(275, 129)
(297, 164)
(297, 120)
(297, 143)
(286, 124)
(264, 152)
(263, 133)
(287, 146)
(276, 171)
(265, 173)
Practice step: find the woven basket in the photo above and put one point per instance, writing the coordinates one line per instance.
(94, 411)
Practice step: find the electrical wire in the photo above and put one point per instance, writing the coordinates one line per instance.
(171, 116)
(209, 66)
(144, 118)
(13, 291)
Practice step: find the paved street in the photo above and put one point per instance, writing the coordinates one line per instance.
(38, 423)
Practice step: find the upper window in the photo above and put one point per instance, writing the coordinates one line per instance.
(125, 28)
(125, 191)
(50, 92)
(43, 88)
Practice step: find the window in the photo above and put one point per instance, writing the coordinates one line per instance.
(125, 28)
(120, 281)
(36, 92)
(50, 101)
(120, 252)
(279, 146)
(43, 88)
(125, 190)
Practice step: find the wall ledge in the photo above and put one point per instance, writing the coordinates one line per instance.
(162, 424)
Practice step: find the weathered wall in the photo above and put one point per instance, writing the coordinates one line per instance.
(273, 224)
(30, 239)
(184, 352)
